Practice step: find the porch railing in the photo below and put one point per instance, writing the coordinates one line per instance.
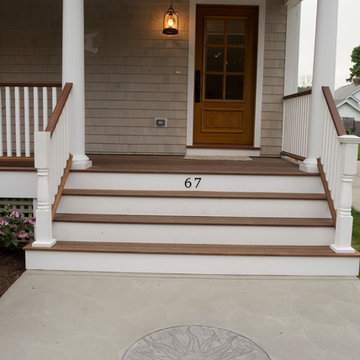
(338, 160)
(296, 123)
(23, 111)
(52, 159)
(338, 163)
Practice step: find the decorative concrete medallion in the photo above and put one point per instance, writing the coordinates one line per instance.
(194, 343)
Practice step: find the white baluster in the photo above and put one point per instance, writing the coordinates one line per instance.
(291, 128)
(297, 127)
(8, 121)
(1, 125)
(27, 121)
(338, 176)
(344, 220)
(54, 97)
(36, 109)
(45, 107)
(285, 128)
(17, 122)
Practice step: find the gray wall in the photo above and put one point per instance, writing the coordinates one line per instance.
(136, 74)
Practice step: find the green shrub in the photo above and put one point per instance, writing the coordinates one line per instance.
(356, 230)
(15, 229)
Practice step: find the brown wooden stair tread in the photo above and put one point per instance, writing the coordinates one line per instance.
(194, 194)
(192, 249)
(193, 220)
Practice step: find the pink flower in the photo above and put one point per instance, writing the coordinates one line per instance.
(4, 222)
(16, 214)
(2, 233)
(23, 234)
(29, 221)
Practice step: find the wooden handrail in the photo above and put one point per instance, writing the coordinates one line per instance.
(339, 126)
(292, 96)
(55, 116)
(31, 84)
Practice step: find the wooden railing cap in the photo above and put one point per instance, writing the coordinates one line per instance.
(339, 126)
(55, 116)
(296, 95)
(31, 84)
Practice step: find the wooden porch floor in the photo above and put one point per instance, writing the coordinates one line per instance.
(172, 165)
(17, 164)
(178, 164)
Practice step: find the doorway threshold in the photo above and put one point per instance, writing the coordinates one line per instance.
(223, 153)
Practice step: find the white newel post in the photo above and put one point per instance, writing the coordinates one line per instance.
(344, 220)
(323, 75)
(73, 70)
(292, 46)
(43, 227)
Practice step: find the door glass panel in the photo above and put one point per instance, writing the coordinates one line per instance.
(214, 59)
(213, 86)
(214, 31)
(236, 32)
(234, 87)
(235, 59)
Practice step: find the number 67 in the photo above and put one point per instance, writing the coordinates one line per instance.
(188, 182)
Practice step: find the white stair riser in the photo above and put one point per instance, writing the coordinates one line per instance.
(194, 234)
(240, 183)
(192, 264)
(193, 206)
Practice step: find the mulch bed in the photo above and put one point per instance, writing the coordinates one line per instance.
(12, 265)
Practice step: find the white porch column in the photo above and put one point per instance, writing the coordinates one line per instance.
(292, 46)
(323, 75)
(73, 70)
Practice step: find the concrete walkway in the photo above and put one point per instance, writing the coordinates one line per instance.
(356, 189)
(94, 316)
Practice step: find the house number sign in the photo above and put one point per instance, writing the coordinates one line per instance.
(192, 182)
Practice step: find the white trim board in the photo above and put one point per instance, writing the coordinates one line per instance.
(18, 184)
(259, 70)
(192, 264)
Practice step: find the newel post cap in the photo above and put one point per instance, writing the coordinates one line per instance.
(350, 153)
(349, 139)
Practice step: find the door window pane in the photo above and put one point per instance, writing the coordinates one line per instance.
(214, 59)
(213, 86)
(234, 87)
(235, 59)
(236, 32)
(214, 31)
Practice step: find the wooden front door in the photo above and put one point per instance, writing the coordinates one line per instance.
(225, 75)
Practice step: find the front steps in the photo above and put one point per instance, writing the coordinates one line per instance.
(194, 229)
(209, 182)
(173, 220)
(193, 259)
(194, 203)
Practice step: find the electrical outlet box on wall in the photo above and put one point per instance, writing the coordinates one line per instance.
(160, 122)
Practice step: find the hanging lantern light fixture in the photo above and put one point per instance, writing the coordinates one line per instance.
(171, 22)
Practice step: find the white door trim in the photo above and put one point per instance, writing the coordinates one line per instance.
(259, 70)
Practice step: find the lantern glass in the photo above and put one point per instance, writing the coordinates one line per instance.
(171, 22)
